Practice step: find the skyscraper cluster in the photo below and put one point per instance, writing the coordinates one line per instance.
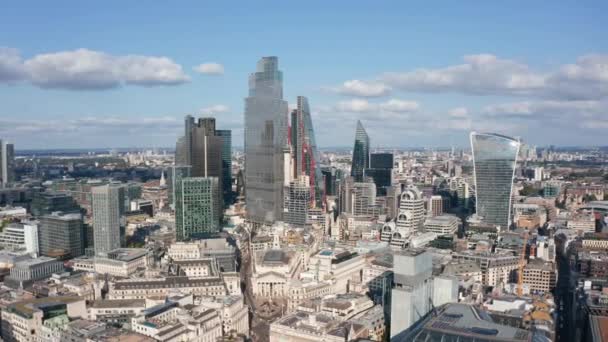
(281, 156)
(200, 182)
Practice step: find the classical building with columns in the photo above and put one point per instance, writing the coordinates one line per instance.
(273, 270)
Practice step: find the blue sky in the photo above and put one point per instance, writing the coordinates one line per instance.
(121, 74)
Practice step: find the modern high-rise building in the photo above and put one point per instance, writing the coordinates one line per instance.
(411, 210)
(306, 156)
(196, 207)
(175, 175)
(360, 159)
(297, 201)
(208, 152)
(265, 140)
(226, 136)
(108, 204)
(494, 162)
(61, 235)
(7, 163)
(331, 177)
(381, 171)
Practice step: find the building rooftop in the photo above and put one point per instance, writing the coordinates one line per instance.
(118, 303)
(467, 321)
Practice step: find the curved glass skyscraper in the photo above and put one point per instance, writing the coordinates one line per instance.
(265, 138)
(360, 160)
(494, 160)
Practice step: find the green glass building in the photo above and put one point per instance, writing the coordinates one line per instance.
(196, 207)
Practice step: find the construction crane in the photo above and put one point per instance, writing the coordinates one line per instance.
(522, 264)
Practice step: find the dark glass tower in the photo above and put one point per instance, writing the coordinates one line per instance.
(306, 155)
(226, 136)
(381, 170)
(494, 160)
(360, 159)
(265, 140)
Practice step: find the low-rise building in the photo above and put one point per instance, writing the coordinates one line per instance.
(540, 276)
(121, 262)
(26, 271)
(442, 224)
(117, 311)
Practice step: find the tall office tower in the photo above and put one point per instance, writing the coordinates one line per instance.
(207, 156)
(175, 175)
(187, 140)
(107, 215)
(435, 207)
(265, 139)
(297, 201)
(416, 291)
(331, 176)
(196, 207)
(181, 157)
(226, 137)
(381, 171)
(411, 210)
(61, 235)
(306, 155)
(7, 163)
(494, 161)
(360, 159)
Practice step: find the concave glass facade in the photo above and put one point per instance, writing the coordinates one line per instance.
(494, 159)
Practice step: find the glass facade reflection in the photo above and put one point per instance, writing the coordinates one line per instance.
(360, 160)
(494, 158)
(265, 138)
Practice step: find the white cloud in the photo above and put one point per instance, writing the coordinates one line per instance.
(11, 66)
(486, 74)
(458, 112)
(85, 69)
(210, 69)
(362, 89)
(399, 106)
(364, 106)
(538, 109)
(215, 109)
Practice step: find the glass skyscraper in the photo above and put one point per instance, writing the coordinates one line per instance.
(360, 160)
(494, 161)
(7, 163)
(265, 140)
(306, 155)
(226, 136)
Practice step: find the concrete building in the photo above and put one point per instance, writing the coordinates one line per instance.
(20, 237)
(463, 322)
(496, 268)
(163, 287)
(273, 271)
(121, 262)
(435, 206)
(314, 327)
(7, 163)
(540, 276)
(217, 248)
(108, 207)
(115, 312)
(26, 271)
(415, 291)
(341, 266)
(442, 224)
(61, 235)
(411, 211)
(24, 321)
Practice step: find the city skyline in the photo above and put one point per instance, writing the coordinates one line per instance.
(95, 84)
